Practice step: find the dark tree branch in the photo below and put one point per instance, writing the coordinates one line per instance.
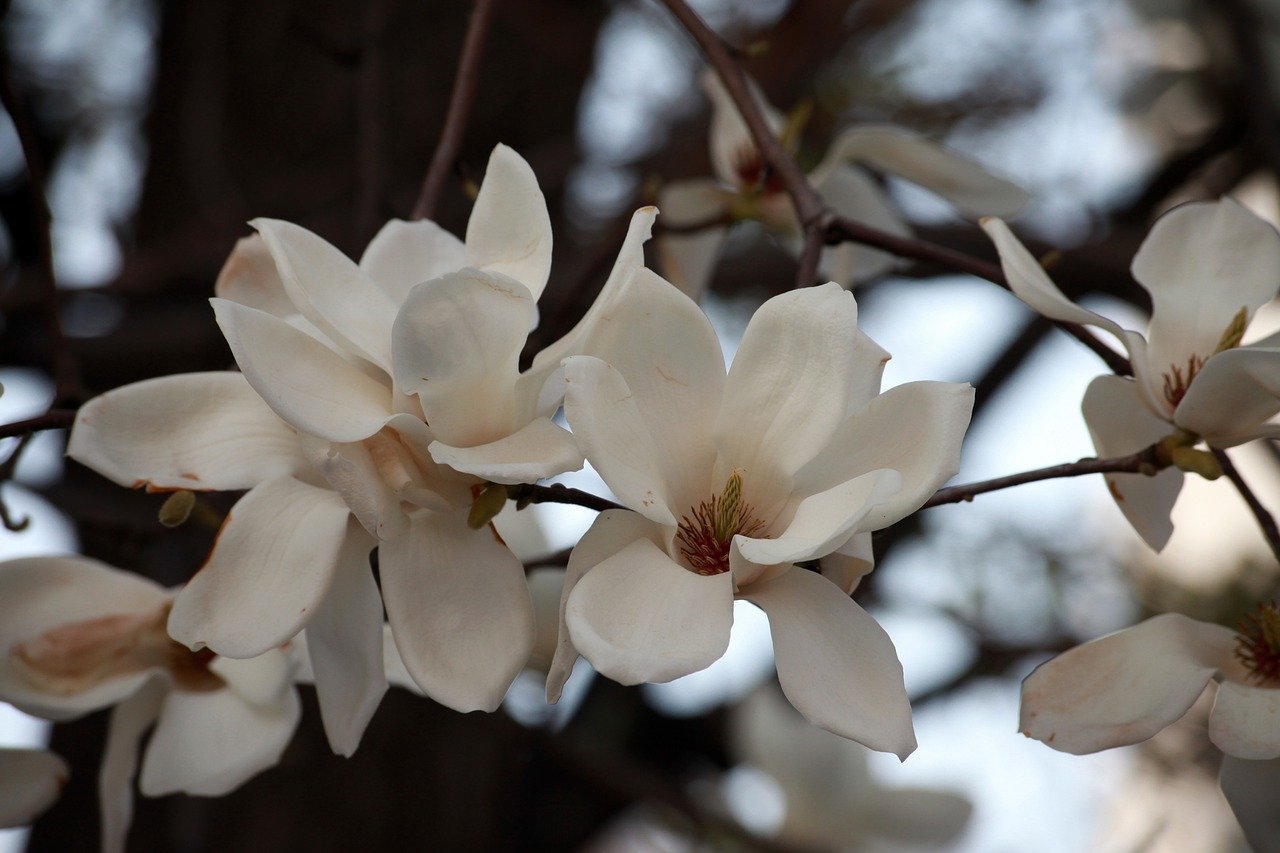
(1264, 518)
(370, 145)
(52, 419)
(810, 256)
(1247, 29)
(560, 494)
(455, 123)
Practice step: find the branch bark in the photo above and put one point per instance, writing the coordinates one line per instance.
(1266, 521)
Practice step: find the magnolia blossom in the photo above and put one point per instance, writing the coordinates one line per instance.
(1126, 686)
(743, 188)
(1208, 266)
(344, 366)
(77, 636)
(30, 782)
(731, 481)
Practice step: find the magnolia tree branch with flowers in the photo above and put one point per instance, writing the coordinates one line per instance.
(384, 432)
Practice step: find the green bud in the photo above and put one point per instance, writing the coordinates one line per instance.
(177, 508)
(1195, 461)
(488, 503)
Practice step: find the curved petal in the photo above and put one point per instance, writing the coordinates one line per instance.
(405, 254)
(456, 344)
(916, 429)
(129, 721)
(611, 532)
(847, 565)
(615, 438)
(1202, 263)
(38, 594)
(1232, 396)
(538, 449)
(688, 259)
(1245, 721)
(344, 643)
(664, 347)
(824, 521)
(199, 431)
(460, 610)
(210, 743)
(330, 290)
(961, 180)
(1124, 687)
(307, 384)
(249, 277)
(269, 572)
(731, 144)
(836, 664)
(639, 617)
(30, 782)
(351, 471)
(788, 389)
(1251, 790)
(1120, 425)
(851, 193)
(510, 230)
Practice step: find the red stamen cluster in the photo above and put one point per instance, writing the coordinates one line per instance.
(1258, 644)
(754, 175)
(706, 533)
(1176, 382)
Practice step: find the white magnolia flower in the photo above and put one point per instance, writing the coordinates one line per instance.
(1126, 686)
(77, 635)
(743, 188)
(352, 361)
(30, 781)
(732, 480)
(832, 800)
(1208, 266)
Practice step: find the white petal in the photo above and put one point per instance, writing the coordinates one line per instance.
(612, 531)
(345, 646)
(38, 594)
(788, 389)
(688, 259)
(1232, 396)
(331, 291)
(309, 385)
(835, 663)
(1202, 263)
(916, 429)
(262, 681)
(850, 563)
(853, 194)
(30, 782)
(964, 182)
(1245, 721)
(537, 450)
(510, 229)
(129, 721)
(546, 588)
(249, 277)
(638, 616)
(1252, 789)
(731, 143)
(199, 431)
(460, 610)
(615, 438)
(457, 341)
(405, 254)
(1124, 687)
(210, 743)
(665, 349)
(824, 521)
(1120, 425)
(869, 359)
(352, 472)
(269, 571)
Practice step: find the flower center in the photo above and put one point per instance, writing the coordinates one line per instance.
(77, 656)
(1177, 380)
(707, 531)
(1258, 644)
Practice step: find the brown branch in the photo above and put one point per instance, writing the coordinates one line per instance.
(65, 370)
(1143, 462)
(7, 469)
(1264, 518)
(530, 493)
(810, 256)
(455, 123)
(52, 419)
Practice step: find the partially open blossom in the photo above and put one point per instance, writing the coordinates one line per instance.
(743, 188)
(77, 636)
(730, 481)
(1208, 266)
(30, 782)
(1126, 686)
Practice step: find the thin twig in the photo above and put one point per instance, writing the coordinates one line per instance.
(1264, 518)
(807, 271)
(455, 123)
(7, 469)
(1142, 462)
(52, 419)
(65, 370)
(560, 494)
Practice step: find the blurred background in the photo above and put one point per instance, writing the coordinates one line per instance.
(164, 127)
